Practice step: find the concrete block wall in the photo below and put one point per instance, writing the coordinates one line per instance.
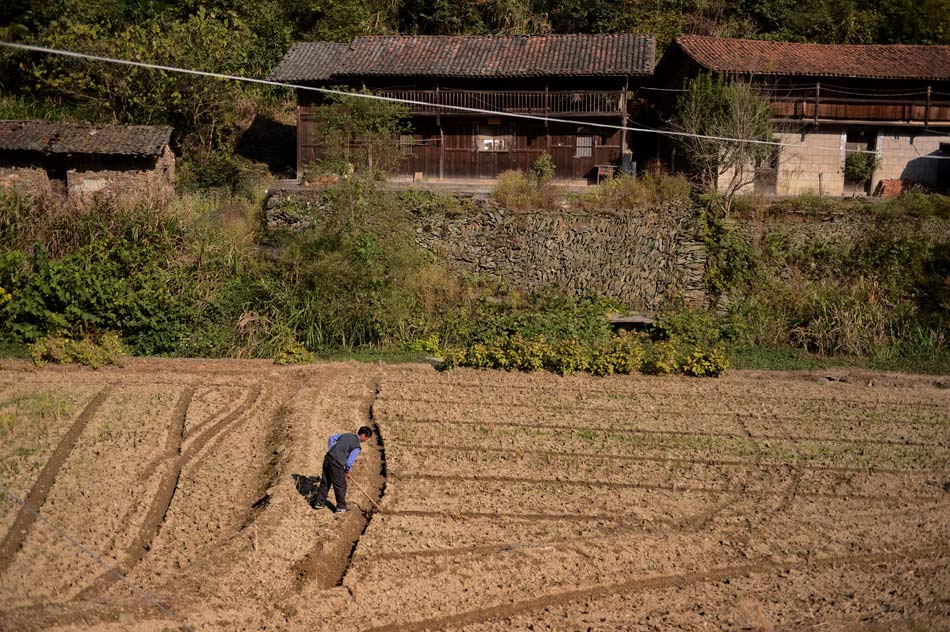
(813, 163)
(903, 152)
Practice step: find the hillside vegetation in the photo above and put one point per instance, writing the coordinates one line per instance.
(200, 277)
(249, 38)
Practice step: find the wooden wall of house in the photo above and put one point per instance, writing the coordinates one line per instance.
(449, 146)
(576, 149)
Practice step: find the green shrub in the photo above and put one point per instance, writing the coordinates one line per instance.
(93, 351)
(566, 356)
(703, 362)
(860, 167)
(544, 168)
(622, 354)
(662, 358)
(292, 352)
(518, 191)
(653, 189)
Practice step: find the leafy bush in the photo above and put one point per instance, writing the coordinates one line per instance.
(654, 188)
(621, 354)
(544, 168)
(703, 362)
(662, 358)
(518, 191)
(860, 167)
(292, 352)
(93, 351)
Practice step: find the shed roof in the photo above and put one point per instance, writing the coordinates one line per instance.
(877, 61)
(470, 57)
(73, 138)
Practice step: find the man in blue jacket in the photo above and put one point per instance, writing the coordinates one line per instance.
(342, 451)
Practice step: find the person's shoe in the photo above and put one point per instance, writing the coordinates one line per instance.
(318, 505)
(340, 510)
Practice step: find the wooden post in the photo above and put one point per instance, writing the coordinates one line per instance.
(817, 101)
(547, 131)
(623, 122)
(300, 132)
(927, 110)
(438, 122)
(441, 153)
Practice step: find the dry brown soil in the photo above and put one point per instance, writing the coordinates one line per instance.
(173, 494)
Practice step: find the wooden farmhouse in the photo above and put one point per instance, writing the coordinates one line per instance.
(83, 161)
(831, 100)
(581, 79)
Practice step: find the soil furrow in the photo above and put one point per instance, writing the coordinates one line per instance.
(526, 517)
(704, 395)
(621, 429)
(160, 502)
(495, 613)
(329, 564)
(409, 476)
(44, 483)
(197, 430)
(625, 406)
(659, 459)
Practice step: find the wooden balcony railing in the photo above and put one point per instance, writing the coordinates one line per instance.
(818, 107)
(522, 102)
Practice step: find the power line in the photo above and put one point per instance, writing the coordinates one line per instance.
(377, 97)
(181, 624)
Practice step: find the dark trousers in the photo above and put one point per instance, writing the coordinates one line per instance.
(333, 474)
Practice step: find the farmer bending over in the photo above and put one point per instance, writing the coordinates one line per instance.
(342, 450)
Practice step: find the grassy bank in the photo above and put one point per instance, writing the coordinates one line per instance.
(200, 277)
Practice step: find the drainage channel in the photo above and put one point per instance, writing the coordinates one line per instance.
(377, 488)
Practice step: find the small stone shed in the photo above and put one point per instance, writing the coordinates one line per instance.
(80, 162)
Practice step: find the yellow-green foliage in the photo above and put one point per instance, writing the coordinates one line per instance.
(662, 359)
(654, 188)
(429, 344)
(518, 191)
(567, 356)
(292, 352)
(5, 297)
(620, 354)
(93, 351)
(704, 362)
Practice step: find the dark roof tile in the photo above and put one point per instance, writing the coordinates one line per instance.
(310, 61)
(896, 61)
(71, 138)
(470, 57)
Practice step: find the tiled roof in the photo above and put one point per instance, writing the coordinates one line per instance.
(72, 138)
(471, 57)
(757, 57)
(310, 61)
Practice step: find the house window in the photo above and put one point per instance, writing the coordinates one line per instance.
(584, 147)
(492, 138)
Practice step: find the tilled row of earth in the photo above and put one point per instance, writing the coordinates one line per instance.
(177, 494)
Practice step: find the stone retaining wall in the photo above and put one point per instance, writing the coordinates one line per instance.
(643, 258)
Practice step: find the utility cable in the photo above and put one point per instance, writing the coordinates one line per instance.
(377, 97)
(181, 624)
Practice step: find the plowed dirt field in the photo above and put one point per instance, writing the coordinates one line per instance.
(175, 494)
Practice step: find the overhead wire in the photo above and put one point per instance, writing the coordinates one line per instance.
(377, 97)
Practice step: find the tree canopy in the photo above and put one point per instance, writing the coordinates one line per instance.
(248, 37)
